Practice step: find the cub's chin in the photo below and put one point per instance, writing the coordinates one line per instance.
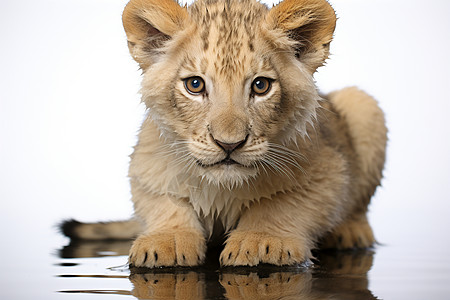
(228, 174)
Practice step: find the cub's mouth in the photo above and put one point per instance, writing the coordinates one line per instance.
(227, 161)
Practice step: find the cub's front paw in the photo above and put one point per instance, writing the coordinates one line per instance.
(179, 248)
(249, 248)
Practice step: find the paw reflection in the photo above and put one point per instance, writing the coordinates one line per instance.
(168, 286)
(278, 285)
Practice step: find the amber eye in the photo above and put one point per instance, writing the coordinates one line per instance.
(194, 85)
(261, 86)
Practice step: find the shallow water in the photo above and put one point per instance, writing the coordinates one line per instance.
(92, 270)
(337, 275)
(49, 266)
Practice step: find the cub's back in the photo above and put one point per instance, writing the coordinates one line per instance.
(351, 121)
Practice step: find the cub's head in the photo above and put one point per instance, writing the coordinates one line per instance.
(229, 82)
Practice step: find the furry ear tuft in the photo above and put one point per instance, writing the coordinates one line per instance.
(148, 24)
(310, 23)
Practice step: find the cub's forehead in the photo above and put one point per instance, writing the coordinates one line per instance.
(227, 30)
(234, 13)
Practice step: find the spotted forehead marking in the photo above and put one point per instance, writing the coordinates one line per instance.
(227, 31)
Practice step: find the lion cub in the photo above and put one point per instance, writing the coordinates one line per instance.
(238, 143)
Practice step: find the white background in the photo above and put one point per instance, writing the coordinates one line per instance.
(70, 110)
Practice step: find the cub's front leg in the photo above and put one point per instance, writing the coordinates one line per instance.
(173, 234)
(278, 231)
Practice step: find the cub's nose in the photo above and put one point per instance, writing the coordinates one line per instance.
(230, 147)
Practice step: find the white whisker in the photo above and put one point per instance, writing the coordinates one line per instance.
(287, 160)
(278, 167)
(285, 150)
(281, 166)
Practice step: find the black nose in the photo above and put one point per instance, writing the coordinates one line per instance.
(230, 147)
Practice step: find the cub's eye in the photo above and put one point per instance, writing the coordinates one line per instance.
(194, 85)
(261, 86)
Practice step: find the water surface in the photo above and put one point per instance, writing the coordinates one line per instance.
(335, 275)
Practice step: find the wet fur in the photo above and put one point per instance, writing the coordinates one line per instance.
(309, 165)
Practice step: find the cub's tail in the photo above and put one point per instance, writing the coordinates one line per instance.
(122, 230)
(366, 125)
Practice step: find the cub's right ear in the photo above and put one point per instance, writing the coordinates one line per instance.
(148, 24)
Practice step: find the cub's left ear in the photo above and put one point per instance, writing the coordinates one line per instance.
(310, 23)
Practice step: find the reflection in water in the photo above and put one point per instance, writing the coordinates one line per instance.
(344, 274)
(190, 285)
(102, 292)
(279, 285)
(336, 275)
(81, 249)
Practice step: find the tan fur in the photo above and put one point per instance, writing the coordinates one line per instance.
(306, 166)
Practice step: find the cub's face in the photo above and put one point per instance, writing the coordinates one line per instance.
(228, 92)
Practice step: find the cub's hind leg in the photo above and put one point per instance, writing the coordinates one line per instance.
(354, 232)
(368, 133)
